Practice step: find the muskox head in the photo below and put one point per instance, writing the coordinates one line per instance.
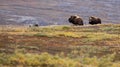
(94, 20)
(76, 20)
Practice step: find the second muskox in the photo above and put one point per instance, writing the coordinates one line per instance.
(76, 20)
(94, 20)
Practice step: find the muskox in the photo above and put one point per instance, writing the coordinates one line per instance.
(33, 25)
(36, 25)
(76, 20)
(94, 20)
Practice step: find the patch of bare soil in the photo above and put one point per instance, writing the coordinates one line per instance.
(37, 44)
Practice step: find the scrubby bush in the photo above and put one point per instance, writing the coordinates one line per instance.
(48, 60)
(42, 60)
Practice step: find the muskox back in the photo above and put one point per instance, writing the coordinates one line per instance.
(94, 20)
(76, 20)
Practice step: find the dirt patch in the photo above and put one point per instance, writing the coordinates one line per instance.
(38, 44)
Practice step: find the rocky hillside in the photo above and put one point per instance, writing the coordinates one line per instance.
(55, 12)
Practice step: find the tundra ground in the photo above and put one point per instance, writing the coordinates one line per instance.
(76, 41)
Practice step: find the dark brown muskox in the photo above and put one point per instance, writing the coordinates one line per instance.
(76, 20)
(94, 20)
(34, 25)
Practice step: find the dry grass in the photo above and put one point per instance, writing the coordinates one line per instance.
(108, 33)
(70, 40)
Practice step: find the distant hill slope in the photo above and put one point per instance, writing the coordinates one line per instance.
(56, 12)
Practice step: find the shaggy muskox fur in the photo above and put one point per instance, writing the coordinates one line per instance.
(34, 25)
(94, 20)
(76, 20)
